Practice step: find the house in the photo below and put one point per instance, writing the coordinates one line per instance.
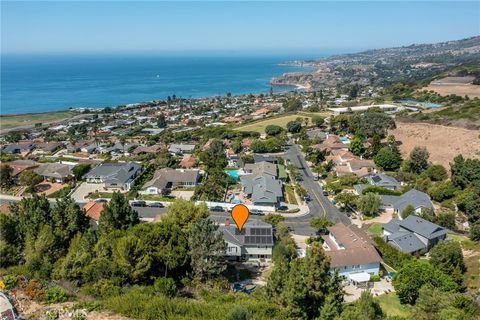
(351, 252)
(253, 243)
(378, 180)
(49, 147)
(18, 166)
(18, 148)
(58, 172)
(261, 168)
(330, 144)
(261, 158)
(156, 148)
(413, 235)
(118, 148)
(166, 179)
(115, 175)
(180, 149)
(93, 210)
(263, 190)
(419, 200)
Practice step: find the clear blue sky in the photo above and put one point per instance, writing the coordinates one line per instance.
(248, 27)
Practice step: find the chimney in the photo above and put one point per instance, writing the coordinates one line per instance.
(227, 222)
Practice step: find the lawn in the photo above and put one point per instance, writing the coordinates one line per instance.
(391, 305)
(260, 125)
(8, 122)
(375, 229)
(471, 256)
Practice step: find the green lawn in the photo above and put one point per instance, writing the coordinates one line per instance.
(8, 122)
(391, 305)
(260, 125)
(375, 229)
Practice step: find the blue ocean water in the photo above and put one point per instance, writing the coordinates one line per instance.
(51, 83)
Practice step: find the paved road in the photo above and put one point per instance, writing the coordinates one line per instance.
(320, 205)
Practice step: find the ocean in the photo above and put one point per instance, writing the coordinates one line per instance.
(52, 83)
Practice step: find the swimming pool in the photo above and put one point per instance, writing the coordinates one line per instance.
(414, 103)
(233, 173)
(236, 199)
(345, 140)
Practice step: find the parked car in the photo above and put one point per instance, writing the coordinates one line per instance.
(217, 209)
(282, 208)
(325, 193)
(156, 205)
(101, 200)
(315, 178)
(307, 198)
(256, 212)
(298, 178)
(139, 203)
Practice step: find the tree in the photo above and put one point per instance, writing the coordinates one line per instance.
(293, 104)
(436, 172)
(365, 308)
(161, 121)
(375, 123)
(41, 252)
(207, 249)
(474, 232)
(80, 170)
(319, 121)
(30, 179)
(447, 256)
(356, 146)
(131, 257)
(273, 130)
(117, 215)
(447, 220)
(414, 274)
(294, 126)
(68, 219)
(418, 161)
(442, 190)
(185, 213)
(388, 159)
(320, 223)
(273, 219)
(11, 242)
(369, 203)
(6, 180)
(408, 210)
(166, 286)
(465, 172)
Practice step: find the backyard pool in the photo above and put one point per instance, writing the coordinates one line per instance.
(345, 140)
(233, 173)
(236, 199)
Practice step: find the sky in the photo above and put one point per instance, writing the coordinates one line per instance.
(229, 27)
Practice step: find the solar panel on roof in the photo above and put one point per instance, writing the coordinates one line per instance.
(376, 178)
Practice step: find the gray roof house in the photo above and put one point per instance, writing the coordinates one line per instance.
(115, 175)
(413, 235)
(167, 178)
(254, 242)
(378, 180)
(419, 200)
(181, 148)
(261, 157)
(262, 190)
(57, 171)
(18, 148)
(261, 168)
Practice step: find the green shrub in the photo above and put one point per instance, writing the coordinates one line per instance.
(393, 257)
(9, 281)
(102, 288)
(165, 286)
(55, 295)
(238, 313)
(375, 278)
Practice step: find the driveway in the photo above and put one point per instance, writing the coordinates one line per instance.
(84, 189)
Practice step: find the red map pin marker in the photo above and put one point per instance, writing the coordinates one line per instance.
(240, 215)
